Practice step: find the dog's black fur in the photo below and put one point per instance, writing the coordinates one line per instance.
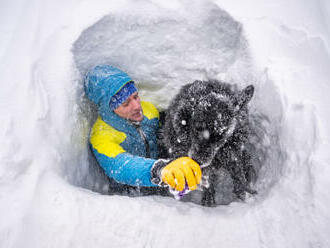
(208, 121)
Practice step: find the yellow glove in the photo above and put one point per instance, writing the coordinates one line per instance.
(181, 171)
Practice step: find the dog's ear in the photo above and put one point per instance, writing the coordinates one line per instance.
(245, 96)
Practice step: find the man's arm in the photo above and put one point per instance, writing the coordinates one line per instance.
(138, 171)
(117, 163)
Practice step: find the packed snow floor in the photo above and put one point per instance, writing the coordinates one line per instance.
(49, 195)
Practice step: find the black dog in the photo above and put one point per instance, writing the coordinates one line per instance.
(208, 121)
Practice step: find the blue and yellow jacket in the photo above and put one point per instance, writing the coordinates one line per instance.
(121, 147)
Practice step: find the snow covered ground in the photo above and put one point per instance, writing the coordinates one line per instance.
(281, 47)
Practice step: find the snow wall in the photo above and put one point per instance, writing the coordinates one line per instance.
(45, 179)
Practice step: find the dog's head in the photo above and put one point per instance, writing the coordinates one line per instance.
(214, 120)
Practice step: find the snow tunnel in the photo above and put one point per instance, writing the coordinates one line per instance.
(163, 49)
(49, 196)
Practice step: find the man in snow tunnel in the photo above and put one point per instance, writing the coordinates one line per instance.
(124, 136)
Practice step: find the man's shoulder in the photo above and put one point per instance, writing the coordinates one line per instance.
(102, 129)
(149, 110)
(99, 124)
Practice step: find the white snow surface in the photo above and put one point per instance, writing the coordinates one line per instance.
(282, 47)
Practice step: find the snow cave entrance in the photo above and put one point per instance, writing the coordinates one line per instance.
(164, 49)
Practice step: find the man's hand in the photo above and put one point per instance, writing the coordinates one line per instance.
(181, 171)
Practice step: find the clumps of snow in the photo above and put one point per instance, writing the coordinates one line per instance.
(206, 134)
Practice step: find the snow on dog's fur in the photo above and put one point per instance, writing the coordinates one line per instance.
(208, 121)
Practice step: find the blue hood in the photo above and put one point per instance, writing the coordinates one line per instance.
(104, 81)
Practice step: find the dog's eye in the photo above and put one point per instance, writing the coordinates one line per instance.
(199, 128)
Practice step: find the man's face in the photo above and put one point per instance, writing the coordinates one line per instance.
(131, 109)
